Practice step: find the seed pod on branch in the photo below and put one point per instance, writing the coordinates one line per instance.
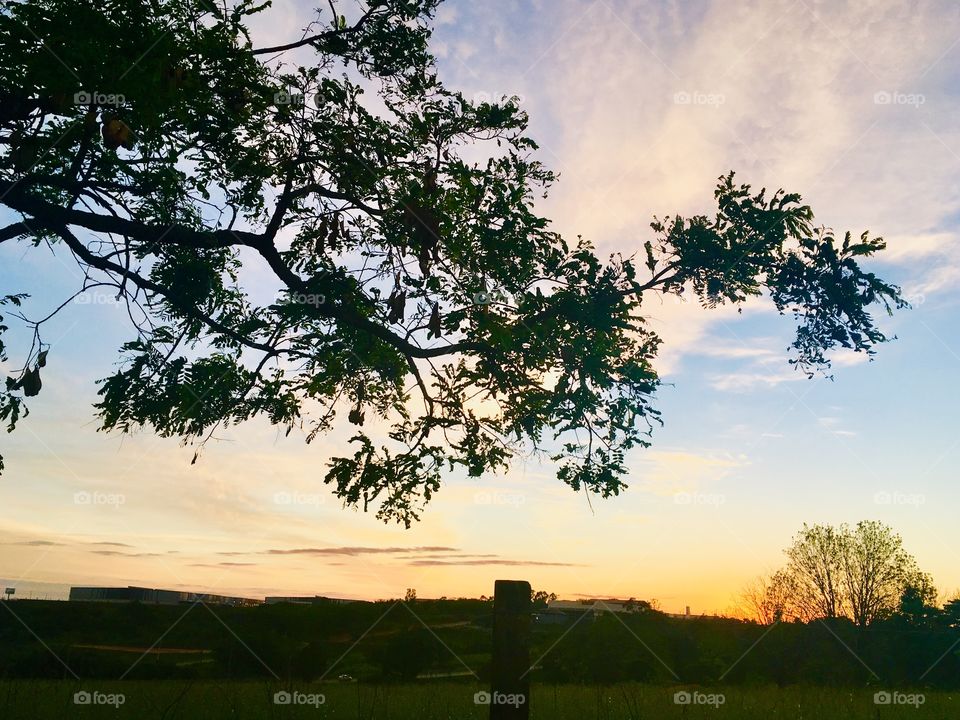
(434, 325)
(30, 382)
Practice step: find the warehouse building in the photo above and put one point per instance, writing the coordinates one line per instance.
(305, 600)
(154, 596)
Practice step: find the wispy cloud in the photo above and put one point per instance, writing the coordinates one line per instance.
(509, 563)
(348, 551)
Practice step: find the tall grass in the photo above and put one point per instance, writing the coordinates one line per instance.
(168, 700)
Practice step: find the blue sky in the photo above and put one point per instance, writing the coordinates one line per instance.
(640, 107)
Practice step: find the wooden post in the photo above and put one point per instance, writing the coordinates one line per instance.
(510, 671)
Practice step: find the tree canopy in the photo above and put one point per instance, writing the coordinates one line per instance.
(419, 296)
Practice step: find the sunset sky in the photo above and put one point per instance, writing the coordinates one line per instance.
(639, 106)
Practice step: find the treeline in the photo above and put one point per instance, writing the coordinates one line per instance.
(387, 642)
(657, 649)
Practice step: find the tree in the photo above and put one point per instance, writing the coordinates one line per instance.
(816, 570)
(878, 572)
(541, 599)
(951, 613)
(769, 600)
(918, 600)
(419, 296)
(861, 573)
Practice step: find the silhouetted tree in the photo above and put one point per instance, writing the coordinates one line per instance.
(860, 573)
(877, 571)
(951, 613)
(541, 598)
(815, 567)
(918, 599)
(770, 599)
(417, 294)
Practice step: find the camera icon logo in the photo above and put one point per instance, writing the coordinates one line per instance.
(682, 697)
(82, 698)
(481, 698)
(282, 698)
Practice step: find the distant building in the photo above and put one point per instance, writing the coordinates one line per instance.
(550, 617)
(154, 596)
(305, 600)
(597, 606)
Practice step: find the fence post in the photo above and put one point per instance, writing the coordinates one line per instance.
(510, 669)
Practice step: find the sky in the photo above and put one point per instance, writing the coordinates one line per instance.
(639, 106)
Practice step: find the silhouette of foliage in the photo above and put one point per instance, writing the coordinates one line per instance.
(418, 295)
(862, 573)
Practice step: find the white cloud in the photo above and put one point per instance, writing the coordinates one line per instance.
(796, 85)
(667, 472)
(741, 382)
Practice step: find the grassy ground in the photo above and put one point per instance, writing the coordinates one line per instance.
(33, 700)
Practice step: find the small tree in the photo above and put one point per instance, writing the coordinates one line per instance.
(541, 598)
(951, 613)
(769, 600)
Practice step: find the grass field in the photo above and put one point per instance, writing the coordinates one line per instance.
(32, 700)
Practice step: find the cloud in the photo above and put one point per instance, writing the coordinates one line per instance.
(665, 472)
(794, 88)
(445, 556)
(509, 563)
(741, 382)
(348, 551)
(223, 564)
(832, 425)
